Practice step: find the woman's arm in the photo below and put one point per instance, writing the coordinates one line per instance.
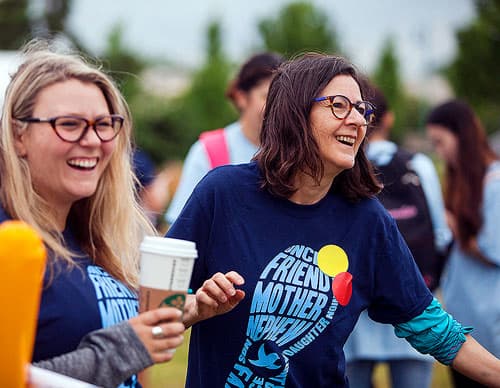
(107, 357)
(435, 332)
(476, 362)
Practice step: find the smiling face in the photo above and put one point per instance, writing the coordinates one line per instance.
(62, 172)
(338, 139)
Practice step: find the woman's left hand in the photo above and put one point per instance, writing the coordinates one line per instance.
(218, 295)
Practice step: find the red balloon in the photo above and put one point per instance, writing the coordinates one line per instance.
(342, 287)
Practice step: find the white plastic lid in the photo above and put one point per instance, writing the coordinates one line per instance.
(169, 246)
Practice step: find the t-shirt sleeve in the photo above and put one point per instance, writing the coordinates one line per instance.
(399, 291)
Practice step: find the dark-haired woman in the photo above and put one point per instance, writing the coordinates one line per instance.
(471, 289)
(237, 142)
(314, 246)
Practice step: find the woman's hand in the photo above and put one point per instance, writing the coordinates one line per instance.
(160, 331)
(217, 296)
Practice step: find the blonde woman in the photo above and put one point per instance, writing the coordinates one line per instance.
(65, 143)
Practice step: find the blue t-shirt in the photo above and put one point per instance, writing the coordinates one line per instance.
(77, 301)
(297, 314)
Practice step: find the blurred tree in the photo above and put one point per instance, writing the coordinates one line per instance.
(122, 63)
(22, 20)
(55, 14)
(166, 128)
(299, 27)
(155, 132)
(473, 73)
(387, 77)
(387, 74)
(204, 105)
(15, 22)
(406, 108)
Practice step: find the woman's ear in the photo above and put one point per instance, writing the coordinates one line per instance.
(19, 138)
(240, 99)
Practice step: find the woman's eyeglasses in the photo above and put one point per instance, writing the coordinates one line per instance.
(341, 107)
(73, 128)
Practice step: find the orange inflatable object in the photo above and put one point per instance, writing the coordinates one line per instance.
(22, 264)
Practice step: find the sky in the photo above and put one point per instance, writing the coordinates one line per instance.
(424, 30)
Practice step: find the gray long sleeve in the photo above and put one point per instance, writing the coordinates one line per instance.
(105, 357)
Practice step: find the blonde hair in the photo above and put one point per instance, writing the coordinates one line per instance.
(110, 224)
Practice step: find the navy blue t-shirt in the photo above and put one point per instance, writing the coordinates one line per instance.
(144, 167)
(298, 311)
(77, 301)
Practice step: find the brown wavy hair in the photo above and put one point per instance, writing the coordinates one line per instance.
(288, 146)
(464, 181)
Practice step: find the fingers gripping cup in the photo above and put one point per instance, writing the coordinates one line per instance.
(166, 267)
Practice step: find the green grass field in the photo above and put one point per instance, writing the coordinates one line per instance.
(173, 373)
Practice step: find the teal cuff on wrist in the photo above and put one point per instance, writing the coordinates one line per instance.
(434, 332)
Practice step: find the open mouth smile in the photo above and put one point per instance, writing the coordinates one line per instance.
(347, 140)
(83, 164)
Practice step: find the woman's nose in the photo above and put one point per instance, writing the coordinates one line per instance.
(90, 137)
(356, 117)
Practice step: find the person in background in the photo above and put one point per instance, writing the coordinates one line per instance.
(471, 283)
(65, 169)
(152, 186)
(410, 182)
(313, 246)
(239, 141)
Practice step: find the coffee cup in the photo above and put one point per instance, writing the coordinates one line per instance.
(166, 267)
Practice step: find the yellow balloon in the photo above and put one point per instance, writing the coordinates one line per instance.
(332, 260)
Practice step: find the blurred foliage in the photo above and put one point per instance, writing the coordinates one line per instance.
(154, 131)
(55, 13)
(204, 105)
(167, 128)
(123, 64)
(15, 22)
(22, 20)
(473, 73)
(407, 108)
(299, 27)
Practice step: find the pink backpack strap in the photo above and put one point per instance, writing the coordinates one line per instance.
(215, 146)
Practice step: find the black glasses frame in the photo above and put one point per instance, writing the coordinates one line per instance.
(115, 118)
(368, 114)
